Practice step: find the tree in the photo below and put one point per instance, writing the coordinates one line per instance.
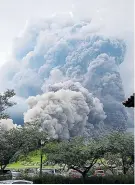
(31, 137)
(9, 144)
(122, 144)
(4, 144)
(77, 154)
(111, 161)
(5, 103)
(18, 141)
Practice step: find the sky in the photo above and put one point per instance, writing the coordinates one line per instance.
(114, 17)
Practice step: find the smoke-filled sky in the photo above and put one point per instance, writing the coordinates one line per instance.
(113, 16)
(51, 45)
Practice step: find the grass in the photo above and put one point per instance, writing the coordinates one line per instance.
(15, 165)
(19, 166)
(33, 157)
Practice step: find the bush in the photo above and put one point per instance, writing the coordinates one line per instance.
(5, 175)
(52, 179)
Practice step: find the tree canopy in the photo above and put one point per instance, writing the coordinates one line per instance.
(5, 103)
(77, 153)
(18, 141)
(122, 144)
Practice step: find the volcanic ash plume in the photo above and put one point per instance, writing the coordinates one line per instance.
(64, 111)
(53, 51)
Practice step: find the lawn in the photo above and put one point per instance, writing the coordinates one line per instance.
(20, 166)
(33, 157)
(17, 165)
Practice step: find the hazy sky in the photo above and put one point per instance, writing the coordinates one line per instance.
(116, 17)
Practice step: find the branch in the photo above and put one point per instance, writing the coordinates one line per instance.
(86, 168)
(74, 168)
(64, 166)
(2, 168)
(92, 163)
(103, 163)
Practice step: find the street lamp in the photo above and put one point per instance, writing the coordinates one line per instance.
(41, 157)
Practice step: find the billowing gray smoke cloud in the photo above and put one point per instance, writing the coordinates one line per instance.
(68, 49)
(103, 79)
(64, 111)
(7, 124)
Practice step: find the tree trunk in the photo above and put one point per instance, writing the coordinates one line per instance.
(84, 175)
(41, 163)
(124, 168)
(3, 168)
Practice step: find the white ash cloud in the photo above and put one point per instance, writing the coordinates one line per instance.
(64, 111)
(62, 48)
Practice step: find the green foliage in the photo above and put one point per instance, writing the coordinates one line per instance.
(2, 177)
(18, 141)
(77, 154)
(7, 145)
(10, 143)
(111, 161)
(5, 103)
(121, 143)
(31, 138)
(117, 149)
(51, 179)
(32, 159)
(122, 146)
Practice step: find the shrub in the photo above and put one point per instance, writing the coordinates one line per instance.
(52, 179)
